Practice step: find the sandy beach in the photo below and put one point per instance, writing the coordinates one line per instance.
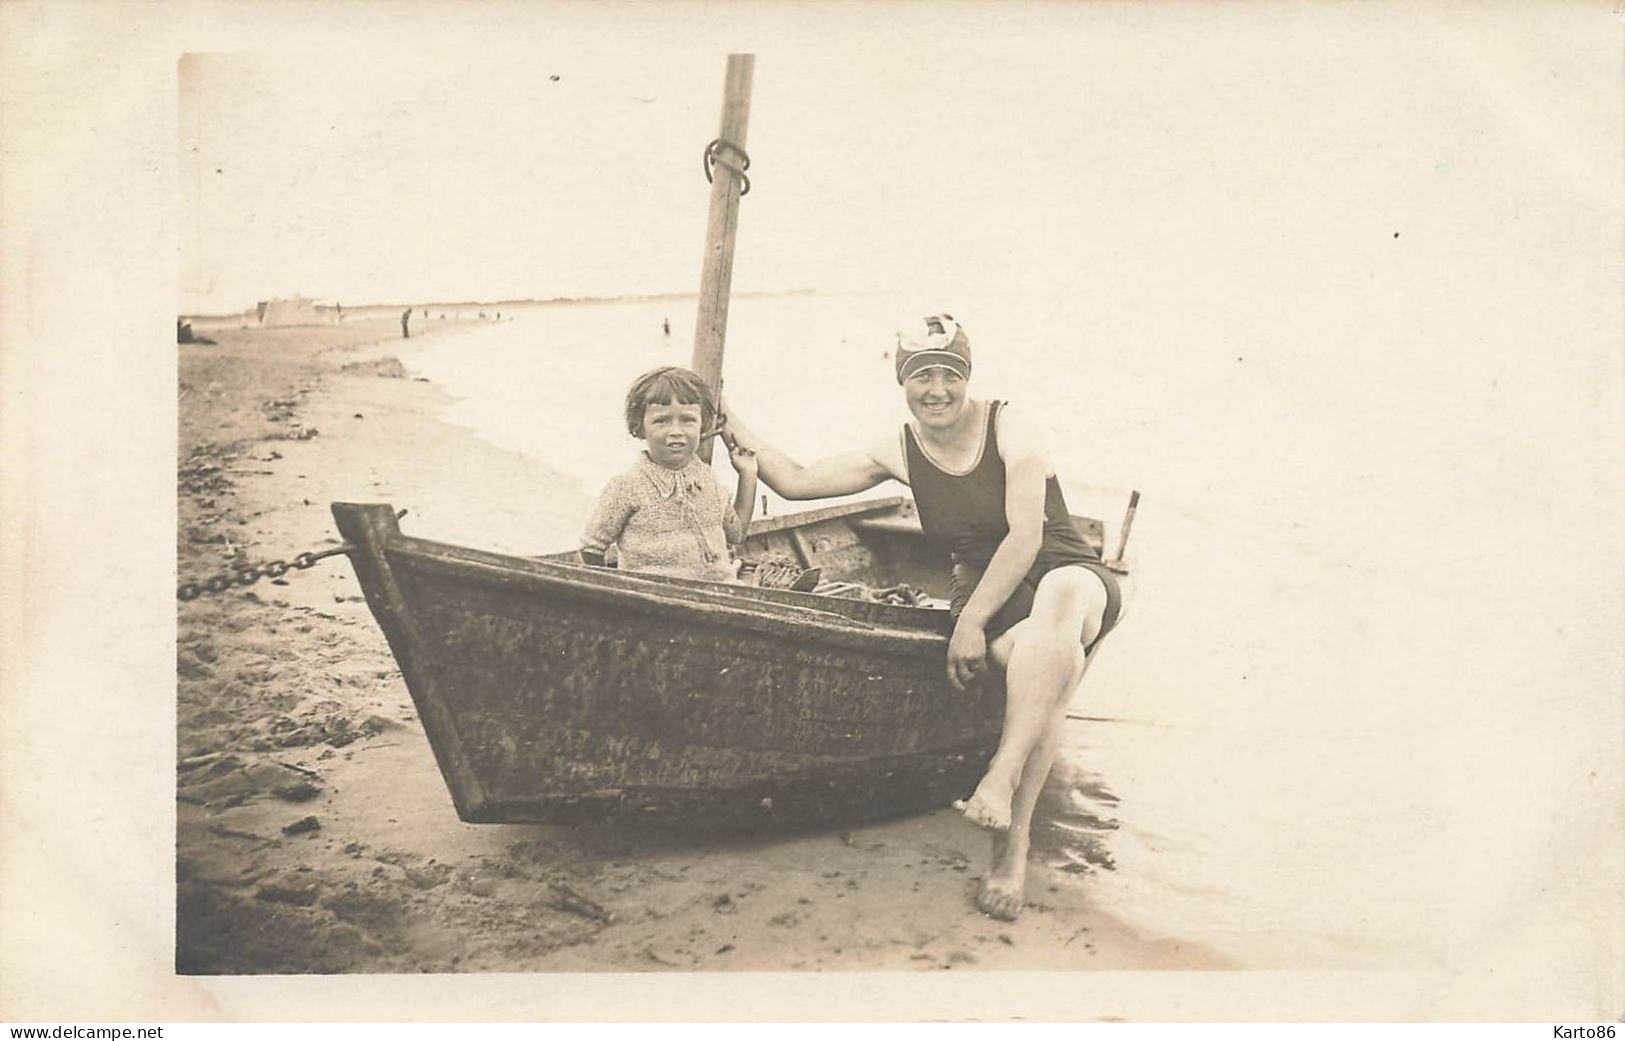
(314, 833)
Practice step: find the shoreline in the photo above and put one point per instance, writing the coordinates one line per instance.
(314, 832)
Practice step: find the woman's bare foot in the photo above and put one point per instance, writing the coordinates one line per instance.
(988, 806)
(1004, 891)
(996, 901)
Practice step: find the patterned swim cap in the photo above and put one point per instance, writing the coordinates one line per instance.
(933, 341)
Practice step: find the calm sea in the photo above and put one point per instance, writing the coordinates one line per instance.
(1299, 739)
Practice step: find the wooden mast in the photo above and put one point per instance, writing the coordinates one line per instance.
(711, 326)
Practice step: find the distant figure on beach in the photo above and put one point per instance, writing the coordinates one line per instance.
(666, 515)
(183, 334)
(1030, 596)
(406, 318)
(665, 326)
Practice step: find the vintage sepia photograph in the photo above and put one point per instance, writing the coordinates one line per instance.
(585, 695)
(1124, 491)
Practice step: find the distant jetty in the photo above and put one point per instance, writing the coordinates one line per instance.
(305, 311)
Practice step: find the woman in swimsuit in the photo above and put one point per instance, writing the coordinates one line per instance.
(1029, 594)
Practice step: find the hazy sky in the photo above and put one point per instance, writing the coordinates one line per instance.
(1042, 147)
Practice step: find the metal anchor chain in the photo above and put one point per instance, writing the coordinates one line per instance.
(247, 574)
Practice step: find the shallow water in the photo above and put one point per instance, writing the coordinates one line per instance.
(1294, 742)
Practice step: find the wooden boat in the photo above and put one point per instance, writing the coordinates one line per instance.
(555, 692)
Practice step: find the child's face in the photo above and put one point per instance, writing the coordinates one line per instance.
(673, 433)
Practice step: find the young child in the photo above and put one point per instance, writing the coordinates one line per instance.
(666, 515)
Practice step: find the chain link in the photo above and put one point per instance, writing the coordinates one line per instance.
(245, 575)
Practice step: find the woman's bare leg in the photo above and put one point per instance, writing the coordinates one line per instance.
(1069, 609)
(1004, 890)
(1042, 658)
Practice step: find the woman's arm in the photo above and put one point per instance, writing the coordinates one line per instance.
(833, 475)
(1025, 473)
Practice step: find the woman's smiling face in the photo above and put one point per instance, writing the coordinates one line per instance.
(935, 395)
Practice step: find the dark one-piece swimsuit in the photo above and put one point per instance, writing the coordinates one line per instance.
(963, 514)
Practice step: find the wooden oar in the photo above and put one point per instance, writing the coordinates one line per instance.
(726, 161)
(1116, 563)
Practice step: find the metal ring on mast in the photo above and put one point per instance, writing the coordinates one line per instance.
(713, 158)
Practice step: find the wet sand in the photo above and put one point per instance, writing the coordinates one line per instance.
(314, 833)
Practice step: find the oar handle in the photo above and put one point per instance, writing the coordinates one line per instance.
(1128, 523)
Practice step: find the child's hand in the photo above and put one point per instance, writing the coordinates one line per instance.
(742, 458)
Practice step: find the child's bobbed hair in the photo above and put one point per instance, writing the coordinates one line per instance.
(668, 385)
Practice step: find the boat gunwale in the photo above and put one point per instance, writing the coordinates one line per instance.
(901, 616)
(721, 608)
